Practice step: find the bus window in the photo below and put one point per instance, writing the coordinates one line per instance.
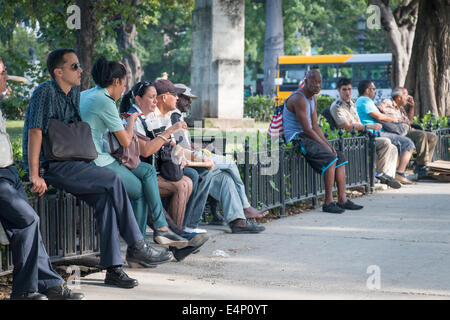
(345, 71)
(380, 74)
(329, 73)
(291, 75)
(359, 73)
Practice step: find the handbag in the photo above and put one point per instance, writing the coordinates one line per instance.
(168, 168)
(69, 141)
(397, 128)
(126, 156)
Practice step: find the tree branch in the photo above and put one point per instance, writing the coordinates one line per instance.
(404, 12)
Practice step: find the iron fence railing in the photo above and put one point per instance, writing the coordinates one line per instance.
(67, 225)
(443, 144)
(294, 179)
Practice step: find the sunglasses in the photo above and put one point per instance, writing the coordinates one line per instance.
(142, 86)
(75, 66)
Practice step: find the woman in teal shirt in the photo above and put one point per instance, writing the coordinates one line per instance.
(98, 108)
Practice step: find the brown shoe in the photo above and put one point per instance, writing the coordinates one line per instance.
(400, 176)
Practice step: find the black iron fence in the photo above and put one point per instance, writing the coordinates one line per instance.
(273, 179)
(281, 176)
(443, 144)
(67, 226)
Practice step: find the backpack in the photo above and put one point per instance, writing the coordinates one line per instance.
(329, 117)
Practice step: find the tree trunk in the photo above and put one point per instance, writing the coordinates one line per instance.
(428, 78)
(273, 44)
(126, 41)
(86, 39)
(399, 26)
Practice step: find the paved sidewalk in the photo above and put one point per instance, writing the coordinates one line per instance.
(401, 235)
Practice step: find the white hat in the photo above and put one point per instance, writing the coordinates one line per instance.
(187, 91)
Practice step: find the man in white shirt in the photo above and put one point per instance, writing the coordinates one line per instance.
(33, 276)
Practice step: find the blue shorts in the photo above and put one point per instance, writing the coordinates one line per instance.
(402, 143)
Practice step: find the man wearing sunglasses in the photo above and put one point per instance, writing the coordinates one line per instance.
(100, 187)
(369, 114)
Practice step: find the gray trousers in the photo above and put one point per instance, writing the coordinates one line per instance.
(32, 269)
(103, 189)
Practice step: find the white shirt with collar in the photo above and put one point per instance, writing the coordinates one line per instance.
(6, 153)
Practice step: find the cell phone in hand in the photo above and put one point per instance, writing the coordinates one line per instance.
(127, 114)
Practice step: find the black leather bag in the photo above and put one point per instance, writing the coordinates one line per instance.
(397, 128)
(169, 169)
(69, 141)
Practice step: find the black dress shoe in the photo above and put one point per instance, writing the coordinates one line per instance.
(141, 255)
(198, 240)
(169, 238)
(194, 244)
(390, 181)
(28, 296)
(117, 277)
(251, 227)
(62, 292)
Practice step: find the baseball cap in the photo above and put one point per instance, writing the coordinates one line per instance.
(166, 86)
(187, 91)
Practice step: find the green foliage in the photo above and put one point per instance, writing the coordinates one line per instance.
(18, 156)
(331, 134)
(323, 102)
(14, 53)
(254, 36)
(429, 118)
(329, 27)
(165, 45)
(17, 149)
(13, 108)
(259, 108)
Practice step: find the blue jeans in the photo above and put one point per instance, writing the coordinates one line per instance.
(189, 216)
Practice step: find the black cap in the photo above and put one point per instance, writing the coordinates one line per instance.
(166, 86)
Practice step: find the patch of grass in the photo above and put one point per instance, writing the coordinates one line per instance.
(14, 129)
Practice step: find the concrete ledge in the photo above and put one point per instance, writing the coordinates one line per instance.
(228, 123)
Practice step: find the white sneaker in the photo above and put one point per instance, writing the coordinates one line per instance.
(196, 230)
